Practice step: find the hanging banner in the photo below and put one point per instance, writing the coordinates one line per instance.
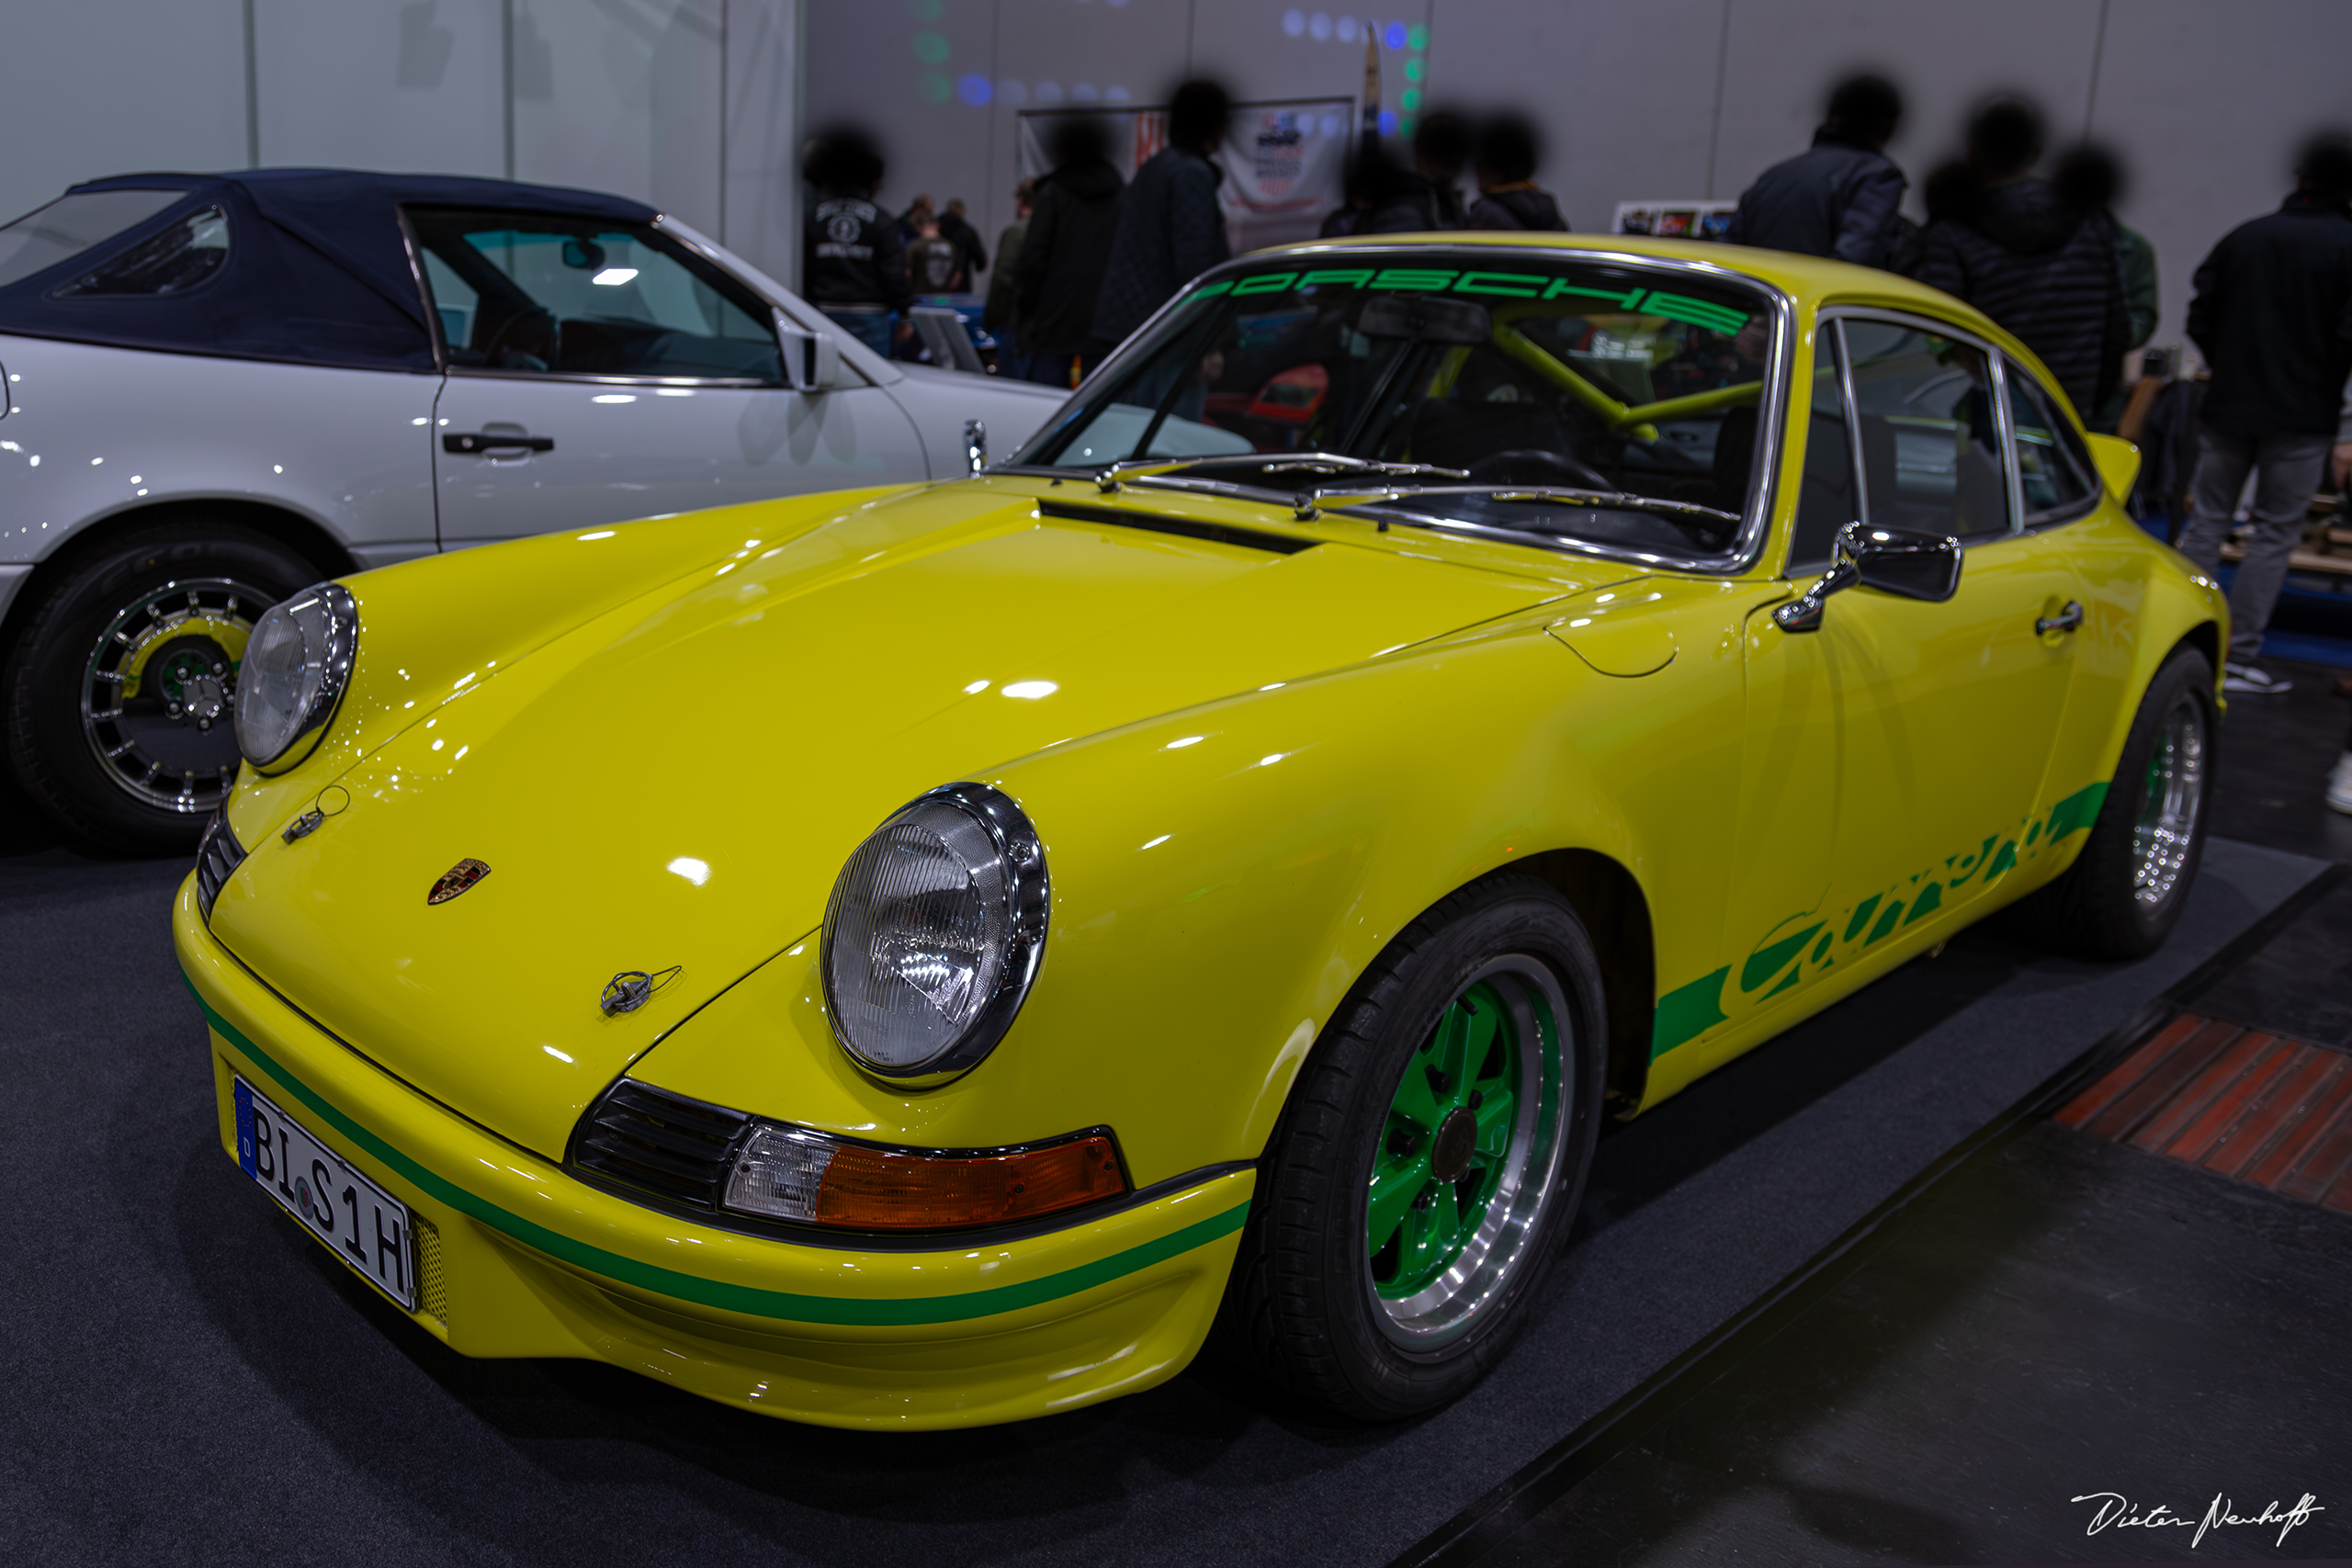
(1285, 163)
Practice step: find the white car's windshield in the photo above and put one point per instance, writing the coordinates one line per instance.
(1622, 403)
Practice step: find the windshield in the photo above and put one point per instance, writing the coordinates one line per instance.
(1602, 404)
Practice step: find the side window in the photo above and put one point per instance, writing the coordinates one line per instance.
(173, 261)
(2053, 470)
(533, 294)
(1826, 498)
(1930, 440)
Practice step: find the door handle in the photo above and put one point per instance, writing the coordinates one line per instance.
(2065, 620)
(491, 441)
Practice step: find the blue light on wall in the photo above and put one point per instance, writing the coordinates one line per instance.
(974, 90)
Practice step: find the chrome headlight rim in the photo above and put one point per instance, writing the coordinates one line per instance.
(334, 678)
(1028, 905)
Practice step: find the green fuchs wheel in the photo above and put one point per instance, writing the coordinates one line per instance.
(1430, 1160)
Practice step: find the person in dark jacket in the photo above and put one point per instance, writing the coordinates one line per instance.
(1840, 197)
(852, 264)
(2272, 314)
(1060, 279)
(2092, 178)
(1427, 197)
(1002, 318)
(1508, 195)
(971, 255)
(1170, 228)
(2017, 249)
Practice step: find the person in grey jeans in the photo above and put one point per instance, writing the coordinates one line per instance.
(2273, 317)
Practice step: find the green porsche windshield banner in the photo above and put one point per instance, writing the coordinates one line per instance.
(1502, 285)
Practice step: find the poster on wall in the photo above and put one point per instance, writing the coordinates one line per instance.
(1285, 163)
(1675, 219)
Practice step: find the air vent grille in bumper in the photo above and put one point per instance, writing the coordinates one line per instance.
(659, 1142)
(217, 856)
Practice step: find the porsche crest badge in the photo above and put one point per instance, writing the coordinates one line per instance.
(455, 880)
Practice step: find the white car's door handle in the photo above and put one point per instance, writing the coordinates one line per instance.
(492, 441)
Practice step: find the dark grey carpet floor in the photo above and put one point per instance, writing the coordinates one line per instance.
(186, 1379)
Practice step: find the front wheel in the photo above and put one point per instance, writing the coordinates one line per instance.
(120, 695)
(1431, 1161)
(2125, 891)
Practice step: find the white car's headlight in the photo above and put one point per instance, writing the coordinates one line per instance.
(296, 665)
(934, 933)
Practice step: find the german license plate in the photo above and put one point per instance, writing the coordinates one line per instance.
(366, 1226)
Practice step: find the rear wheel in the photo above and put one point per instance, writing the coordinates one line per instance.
(120, 692)
(1431, 1161)
(2125, 891)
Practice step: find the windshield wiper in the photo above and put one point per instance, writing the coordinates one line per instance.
(1157, 472)
(1309, 505)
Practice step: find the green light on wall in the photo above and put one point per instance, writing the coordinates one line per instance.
(1417, 38)
(931, 49)
(933, 87)
(1414, 69)
(1405, 126)
(1409, 99)
(928, 10)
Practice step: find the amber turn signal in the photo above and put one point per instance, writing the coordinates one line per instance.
(793, 1174)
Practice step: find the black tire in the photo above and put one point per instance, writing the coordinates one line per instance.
(2123, 894)
(58, 753)
(1302, 1306)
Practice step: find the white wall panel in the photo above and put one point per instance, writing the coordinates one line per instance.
(2209, 104)
(759, 216)
(1783, 55)
(358, 83)
(118, 87)
(622, 96)
(1624, 94)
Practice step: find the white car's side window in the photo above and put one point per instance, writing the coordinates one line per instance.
(533, 294)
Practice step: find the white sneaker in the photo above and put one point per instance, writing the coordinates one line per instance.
(2339, 785)
(2236, 677)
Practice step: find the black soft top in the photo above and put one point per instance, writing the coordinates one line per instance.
(317, 272)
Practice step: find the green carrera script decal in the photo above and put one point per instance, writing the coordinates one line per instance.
(1806, 945)
(1501, 284)
(749, 1300)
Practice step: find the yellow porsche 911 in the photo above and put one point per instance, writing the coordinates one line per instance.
(924, 957)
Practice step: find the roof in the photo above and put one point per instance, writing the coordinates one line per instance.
(318, 271)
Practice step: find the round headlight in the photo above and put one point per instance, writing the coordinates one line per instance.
(934, 932)
(296, 665)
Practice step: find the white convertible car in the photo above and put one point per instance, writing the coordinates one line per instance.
(223, 388)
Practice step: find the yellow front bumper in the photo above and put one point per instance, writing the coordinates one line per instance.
(517, 1259)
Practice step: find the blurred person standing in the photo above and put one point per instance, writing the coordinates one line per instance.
(1841, 197)
(1000, 318)
(932, 263)
(971, 257)
(1170, 228)
(1068, 249)
(1509, 197)
(2021, 250)
(917, 210)
(852, 267)
(2272, 315)
(1427, 197)
(2092, 179)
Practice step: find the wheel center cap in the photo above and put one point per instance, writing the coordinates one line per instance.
(1457, 1140)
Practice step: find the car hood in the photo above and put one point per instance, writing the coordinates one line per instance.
(672, 786)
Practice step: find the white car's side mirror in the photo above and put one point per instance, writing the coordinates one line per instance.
(812, 361)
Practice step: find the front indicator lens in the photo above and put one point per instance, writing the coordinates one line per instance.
(787, 1173)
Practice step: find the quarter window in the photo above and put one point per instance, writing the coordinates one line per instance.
(534, 295)
(173, 261)
(72, 224)
(1929, 438)
(2053, 471)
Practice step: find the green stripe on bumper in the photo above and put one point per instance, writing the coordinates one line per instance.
(749, 1300)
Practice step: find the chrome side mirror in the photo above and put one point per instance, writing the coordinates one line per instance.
(1892, 561)
(976, 446)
